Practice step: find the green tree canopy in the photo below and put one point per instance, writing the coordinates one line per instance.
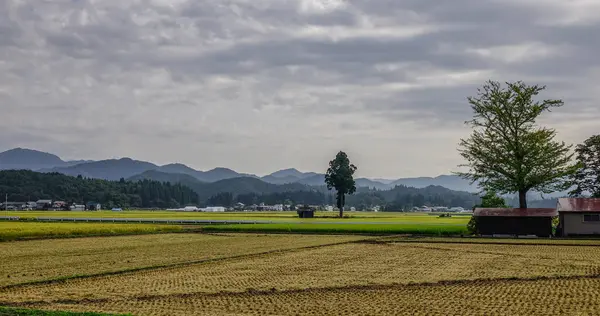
(587, 178)
(340, 176)
(507, 152)
(491, 199)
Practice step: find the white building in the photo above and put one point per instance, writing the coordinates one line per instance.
(213, 209)
(77, 207)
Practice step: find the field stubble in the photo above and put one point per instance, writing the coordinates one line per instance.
(35, 260)
(355, 278)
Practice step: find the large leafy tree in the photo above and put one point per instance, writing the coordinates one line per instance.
(491, 199)
(507, 152)
(340, 176)
(587, 178)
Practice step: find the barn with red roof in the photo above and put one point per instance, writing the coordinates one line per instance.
(515, 221)
(579, 216)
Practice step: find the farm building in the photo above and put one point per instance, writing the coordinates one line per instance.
(579, 216)
(306, 212)
(93, 206)
(77, 207)
(43, 204)
(515, 221)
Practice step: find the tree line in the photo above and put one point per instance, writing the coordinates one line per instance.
(24, 185)
(400, 198)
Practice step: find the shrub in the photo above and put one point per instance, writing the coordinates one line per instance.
(472, 226)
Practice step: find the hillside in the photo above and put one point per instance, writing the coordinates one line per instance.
(452, 182)
(112, 169)
(180, 178)
(20, 158)
(23, 186)
(236, 186)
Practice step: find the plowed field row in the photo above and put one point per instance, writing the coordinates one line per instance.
(30, 261)
(332, 266)
(358, 278)
(560, 296)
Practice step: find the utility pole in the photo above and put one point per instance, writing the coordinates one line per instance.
(6, 202)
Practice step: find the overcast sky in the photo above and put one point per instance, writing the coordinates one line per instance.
(258, 86)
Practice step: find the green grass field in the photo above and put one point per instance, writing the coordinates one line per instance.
(399, 228)
(263, 216)
(26, 230)
(283, 222)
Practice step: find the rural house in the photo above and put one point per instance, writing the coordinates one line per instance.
(579, 216)
(515, 221)
(93, 206)
(43, 204)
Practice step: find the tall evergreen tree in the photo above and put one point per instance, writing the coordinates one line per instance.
(340, 176)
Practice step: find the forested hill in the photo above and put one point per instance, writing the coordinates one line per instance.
(24, 185)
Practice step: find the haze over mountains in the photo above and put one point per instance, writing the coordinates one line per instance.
(115, 169)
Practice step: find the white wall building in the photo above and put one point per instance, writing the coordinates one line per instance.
(213, 209)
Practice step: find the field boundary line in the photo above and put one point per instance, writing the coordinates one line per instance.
(170, 265)
(273, 291)
(541, 243)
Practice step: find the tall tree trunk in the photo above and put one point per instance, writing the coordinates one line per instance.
(340, 203)
(522, 198)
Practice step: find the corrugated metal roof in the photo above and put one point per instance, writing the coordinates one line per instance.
(579, 205)
(524, 212)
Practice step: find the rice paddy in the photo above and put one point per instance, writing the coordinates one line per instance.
(31, 230)
(379, 217)
(261, 274)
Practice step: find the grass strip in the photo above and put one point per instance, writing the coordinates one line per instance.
(370, 229)
(10, 311)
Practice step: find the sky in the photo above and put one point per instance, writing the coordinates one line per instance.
(262, 85)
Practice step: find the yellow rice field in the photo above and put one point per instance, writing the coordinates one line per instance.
(32, 230)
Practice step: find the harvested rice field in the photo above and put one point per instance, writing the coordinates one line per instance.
(37, 260)
(318, 275)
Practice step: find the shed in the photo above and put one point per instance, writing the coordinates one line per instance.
(579, 216)
(306, 212)
(515, 221)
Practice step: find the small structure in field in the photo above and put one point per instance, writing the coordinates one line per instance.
(43, 205)
(306, 212)
(93, 206)
(515, 221)
(579, 216)
(77, 207)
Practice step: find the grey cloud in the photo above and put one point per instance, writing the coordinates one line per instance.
(236, 77)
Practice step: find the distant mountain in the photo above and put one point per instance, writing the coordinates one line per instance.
(280, 180)
(205, 190)
(179, 168)
(316, 180)
(21, 158)
(290, 175)
(291, 172)
(368, 183)
(213, 175)
(112, 169)
(75, 162)
(451, 182)
(219, 174)
(156, 175)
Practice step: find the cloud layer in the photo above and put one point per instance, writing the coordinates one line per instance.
(261, 85)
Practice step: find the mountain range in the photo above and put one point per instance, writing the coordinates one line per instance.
(127, 168)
